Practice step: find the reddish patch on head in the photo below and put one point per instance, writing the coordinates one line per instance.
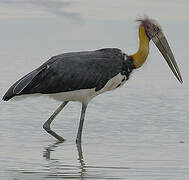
(151, 27)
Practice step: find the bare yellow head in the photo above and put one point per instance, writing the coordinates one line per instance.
(150, 29)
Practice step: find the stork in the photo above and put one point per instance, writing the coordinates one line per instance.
(80, 76)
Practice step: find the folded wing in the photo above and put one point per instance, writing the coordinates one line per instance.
(69, 72)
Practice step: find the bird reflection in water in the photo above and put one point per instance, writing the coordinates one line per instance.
(57, 169)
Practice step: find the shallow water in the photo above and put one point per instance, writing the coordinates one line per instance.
(139, 131)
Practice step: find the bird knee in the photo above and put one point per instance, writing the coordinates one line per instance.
(46, 127)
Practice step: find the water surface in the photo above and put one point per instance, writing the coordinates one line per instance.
(139, 131)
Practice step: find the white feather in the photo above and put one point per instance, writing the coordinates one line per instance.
(85, 95)
(82, 95)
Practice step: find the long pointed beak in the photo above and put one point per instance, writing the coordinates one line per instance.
(163, 46)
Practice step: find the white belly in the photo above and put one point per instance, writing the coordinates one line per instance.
(85, 95)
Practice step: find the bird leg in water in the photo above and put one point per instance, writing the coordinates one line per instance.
(47, 124)
(79, 133)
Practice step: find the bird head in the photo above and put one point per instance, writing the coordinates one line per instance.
(151, 26)
(154, 32)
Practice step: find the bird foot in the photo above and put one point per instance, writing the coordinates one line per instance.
(48, 129)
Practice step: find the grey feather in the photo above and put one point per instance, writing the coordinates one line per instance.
(71, 71)
(23, 83)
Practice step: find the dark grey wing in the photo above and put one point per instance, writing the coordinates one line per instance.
(71, 71)
(18, 87)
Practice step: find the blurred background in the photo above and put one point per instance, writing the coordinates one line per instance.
(139, 131)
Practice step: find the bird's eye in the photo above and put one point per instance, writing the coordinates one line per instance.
(156, 29)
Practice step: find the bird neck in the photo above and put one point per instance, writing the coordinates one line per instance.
(140, 56)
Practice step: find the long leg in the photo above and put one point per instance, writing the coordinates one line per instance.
(47, 124)
(79, 133)
(81, 161)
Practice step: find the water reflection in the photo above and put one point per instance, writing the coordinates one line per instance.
(59, 8)
(80, 158)
(57, 169)
(48, 149)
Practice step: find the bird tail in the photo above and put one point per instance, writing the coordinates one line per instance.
(18, 87)
(8, 95)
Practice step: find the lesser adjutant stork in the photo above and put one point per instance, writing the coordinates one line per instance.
(80, 76)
